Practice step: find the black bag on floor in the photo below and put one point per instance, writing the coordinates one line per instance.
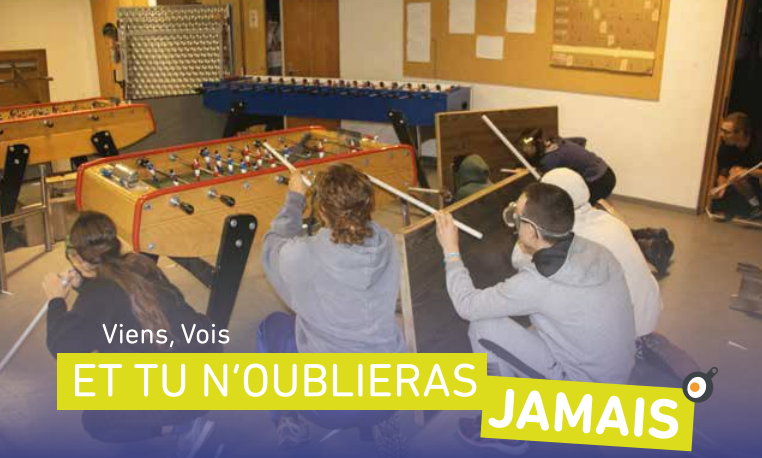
(656, 246)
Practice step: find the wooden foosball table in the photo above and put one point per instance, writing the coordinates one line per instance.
(208, 199)
(42, 133)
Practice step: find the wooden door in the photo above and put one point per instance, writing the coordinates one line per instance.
(24, 77)
(723, 86)
(311, 45)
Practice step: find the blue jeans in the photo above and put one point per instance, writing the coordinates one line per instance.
(277, 334)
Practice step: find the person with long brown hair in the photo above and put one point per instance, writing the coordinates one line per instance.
(115, 293)
(342, 284)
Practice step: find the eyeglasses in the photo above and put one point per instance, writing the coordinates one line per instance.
(513, 219)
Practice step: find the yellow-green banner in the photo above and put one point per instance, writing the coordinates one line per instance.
(587, 413)
(291, 381)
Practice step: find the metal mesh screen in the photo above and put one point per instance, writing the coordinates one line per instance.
(171, 50)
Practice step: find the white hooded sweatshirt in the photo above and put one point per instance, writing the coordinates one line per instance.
(604, 229)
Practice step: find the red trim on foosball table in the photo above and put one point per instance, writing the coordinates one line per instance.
(137, 219)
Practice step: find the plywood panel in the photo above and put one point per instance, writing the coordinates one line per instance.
(526, 60)
(463, 133)
(27, 69)
(438, 328)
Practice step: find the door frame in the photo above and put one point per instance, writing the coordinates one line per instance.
(723, 86)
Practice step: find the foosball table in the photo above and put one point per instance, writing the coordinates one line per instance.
(47, 132)
(63, 130)
(335, 98)
(208, 199)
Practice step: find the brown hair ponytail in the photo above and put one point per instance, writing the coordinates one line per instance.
(93, 237)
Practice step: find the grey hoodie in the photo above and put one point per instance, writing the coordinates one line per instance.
(344, 296)
(582, 311)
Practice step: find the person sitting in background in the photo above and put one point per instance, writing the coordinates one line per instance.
(342, 283)
(122, 289)
(573, 291)
(471, 176)
(551, 153)
(601, 227)
(739, 152)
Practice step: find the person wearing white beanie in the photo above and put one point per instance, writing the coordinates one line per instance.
(603, 228)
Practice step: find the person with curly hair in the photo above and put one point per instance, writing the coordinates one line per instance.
(342, 283)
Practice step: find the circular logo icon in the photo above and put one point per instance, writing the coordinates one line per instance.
(697, 386)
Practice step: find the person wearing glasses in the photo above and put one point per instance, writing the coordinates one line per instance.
(120, 292)
(601, 227)
(739, 185)
(573, 291)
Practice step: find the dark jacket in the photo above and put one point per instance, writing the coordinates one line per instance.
(104, 303)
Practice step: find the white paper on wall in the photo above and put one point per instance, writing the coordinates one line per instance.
(463, 16)
(521, 16)
(419, 32)
(488, 47)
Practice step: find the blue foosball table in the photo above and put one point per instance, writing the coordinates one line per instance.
(335, 98)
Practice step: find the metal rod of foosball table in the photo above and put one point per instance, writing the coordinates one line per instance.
(385, 186)
(175, 158)
(510, 146)
(22, 339)
(285, 162)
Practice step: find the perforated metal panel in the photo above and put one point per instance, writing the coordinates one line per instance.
(171, 50)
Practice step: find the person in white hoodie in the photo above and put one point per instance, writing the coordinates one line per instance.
(603, 228)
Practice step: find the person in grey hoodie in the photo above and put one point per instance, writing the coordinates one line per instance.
(574, 293)
(342, 283)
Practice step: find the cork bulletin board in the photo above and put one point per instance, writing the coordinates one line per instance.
(481, 49)
(609, 35)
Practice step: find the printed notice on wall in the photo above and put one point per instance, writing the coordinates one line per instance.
(463, 16)
(521, 16)
(488, 47)
(418, 32)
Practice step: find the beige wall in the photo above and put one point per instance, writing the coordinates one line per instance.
(656, 148)
(64, 28)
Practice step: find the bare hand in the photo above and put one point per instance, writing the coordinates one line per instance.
(296, 183)
(447, 233)
(56, 285)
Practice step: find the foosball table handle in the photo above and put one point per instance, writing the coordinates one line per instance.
(227, 200)
(187, 208)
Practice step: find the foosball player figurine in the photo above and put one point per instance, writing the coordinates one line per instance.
(218, 160)
(243, 166)
(231, 164)
(207, 157)
(173, 177)
(320, 148)
(152, 171)
(197, 169)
